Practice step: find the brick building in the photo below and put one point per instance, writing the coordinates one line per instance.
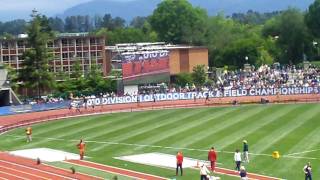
(180, 59)
(67, 48)
(155, 62)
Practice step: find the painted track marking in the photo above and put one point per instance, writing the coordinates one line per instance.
(107, 168)
(24, 172)
(100, 170)
(65, 177)
(11, 175)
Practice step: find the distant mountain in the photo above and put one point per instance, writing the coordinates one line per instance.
(132, 8)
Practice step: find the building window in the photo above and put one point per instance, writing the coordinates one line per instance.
(93, 41)
(20, 58)
(64, 55)
(56, 43)
(5, 59)
(5, 45)
(58, 68)
(20, 44)
(66, 68)
(93, 54)
(13, 58)
(50, 44)
(79, 42)
(64, 42)
(57, 56)
(12, 45)
(79, 54)
(72, 55)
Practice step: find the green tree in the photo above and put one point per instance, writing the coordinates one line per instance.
(112, 23)
(199, 75)
(35, 72)
(235, 54)
(138, 22)
(292, 36)
(56, 24)
(183, 79)
(126, 35)
(223, 35)
(312, 18)
(12, 77)
(14, 27)
(176, 21)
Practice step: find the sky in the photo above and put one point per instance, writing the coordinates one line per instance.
(13, 9)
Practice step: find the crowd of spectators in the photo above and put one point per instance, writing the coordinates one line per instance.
(253, 78)
(270, 77)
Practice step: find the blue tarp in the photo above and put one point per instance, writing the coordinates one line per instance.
(7, 110)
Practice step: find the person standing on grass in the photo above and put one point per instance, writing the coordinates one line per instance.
(245, 151)
(81, 146)
(29, 134)
(237, 159)
(307, 171)
(179, 158)
(204, 172)
(212, 157)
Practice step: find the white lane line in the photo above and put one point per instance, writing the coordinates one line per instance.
(303, 152)
(3, 178)
(122, 169)
(77, 172)
(111, 172)
(43, 171)
(162, 147)
(23, 172)
(300, 157)
(132, 144)
(2, 172)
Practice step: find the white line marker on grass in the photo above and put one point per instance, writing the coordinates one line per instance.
(303, 152)
(157, 146)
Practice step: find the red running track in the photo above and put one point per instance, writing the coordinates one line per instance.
(250, 175)
(13, 167)
(116, 170)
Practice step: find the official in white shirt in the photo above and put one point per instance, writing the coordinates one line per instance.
(237, 159)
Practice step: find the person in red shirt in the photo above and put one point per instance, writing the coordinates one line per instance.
(81, 146)
(212, 157)
(179, 162)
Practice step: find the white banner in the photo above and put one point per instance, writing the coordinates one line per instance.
(202, 95)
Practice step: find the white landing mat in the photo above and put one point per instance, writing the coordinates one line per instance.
(160, 159)
(45, 154)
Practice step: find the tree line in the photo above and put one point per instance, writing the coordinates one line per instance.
(288, 37)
